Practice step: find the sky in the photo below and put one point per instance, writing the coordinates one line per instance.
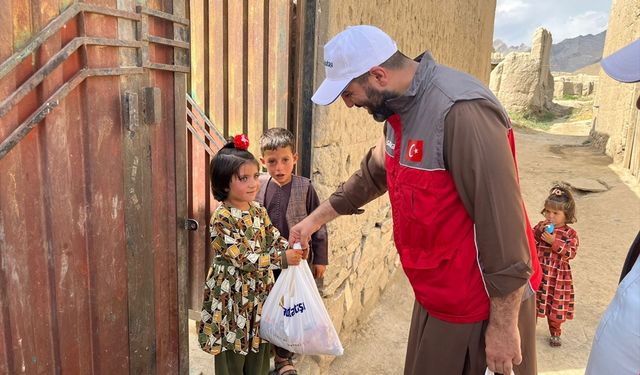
(516, 20)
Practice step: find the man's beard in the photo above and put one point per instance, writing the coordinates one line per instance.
(377, 103)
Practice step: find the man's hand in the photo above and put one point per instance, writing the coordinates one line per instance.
(502, 338)
(502, 348)
(302, 231)
(318, 270)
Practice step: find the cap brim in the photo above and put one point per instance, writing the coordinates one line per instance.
(624, 65)
(329, 91)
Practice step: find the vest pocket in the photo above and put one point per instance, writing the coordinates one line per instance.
(424, 207)
(424, 194)
(434, 281)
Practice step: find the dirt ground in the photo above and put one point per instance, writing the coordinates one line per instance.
(607, 223)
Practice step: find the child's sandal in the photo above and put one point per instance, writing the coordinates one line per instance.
(555, 341)
(285, 367)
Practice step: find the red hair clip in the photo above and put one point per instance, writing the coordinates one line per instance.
(241, 142)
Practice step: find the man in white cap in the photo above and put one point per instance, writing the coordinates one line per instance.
(447, 160)
(616, 344)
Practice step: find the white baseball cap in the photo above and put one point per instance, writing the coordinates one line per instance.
(350, 54)
(624, 64)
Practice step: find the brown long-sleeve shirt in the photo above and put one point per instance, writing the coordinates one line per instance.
(477, 154)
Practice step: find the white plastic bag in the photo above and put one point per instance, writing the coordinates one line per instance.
(294, 317)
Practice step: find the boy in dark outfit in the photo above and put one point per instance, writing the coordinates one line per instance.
(289, 199)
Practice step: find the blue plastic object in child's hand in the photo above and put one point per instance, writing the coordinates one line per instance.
(549, 228)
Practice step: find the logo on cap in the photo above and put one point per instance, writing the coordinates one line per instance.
(328, 64)
(414, 150)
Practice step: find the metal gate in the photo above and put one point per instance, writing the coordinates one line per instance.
(251, 69)
(93, 188)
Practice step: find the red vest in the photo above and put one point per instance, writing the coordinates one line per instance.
(435, 238)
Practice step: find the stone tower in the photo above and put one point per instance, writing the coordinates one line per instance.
(523, 80)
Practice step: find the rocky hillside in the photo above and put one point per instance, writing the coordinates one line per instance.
(504, 49)
(575, 53)
(568, 55)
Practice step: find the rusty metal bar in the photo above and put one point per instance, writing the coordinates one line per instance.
(195, 106)
(163, 15)
(84, 7)
(195, 121)
(172, 68)
(194, 133)
(43, 35)
(54, 100)
(55, 25)
(49, 30)
(168, 42)
(54, 62)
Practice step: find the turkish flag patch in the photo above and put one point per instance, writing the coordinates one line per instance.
(414, 150)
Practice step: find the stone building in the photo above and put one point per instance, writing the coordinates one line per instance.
(616, 123)
(573, 84)
(523, 80)
(362, 256)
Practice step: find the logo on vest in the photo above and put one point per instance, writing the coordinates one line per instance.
(414, 150)
(391, 145)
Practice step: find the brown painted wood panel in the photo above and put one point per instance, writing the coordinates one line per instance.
(62, 174)
(137, 149)
(104, 161)
(25, 252)
(88, 227)
(7, 85)
(278, 74)
(198, 211)
(256, 56)
(236, 66)
(216, 107)
(199, 43)
(165, 223)
(181, 191)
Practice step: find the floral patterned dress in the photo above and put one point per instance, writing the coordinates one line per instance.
(555, 297)
(246, 247)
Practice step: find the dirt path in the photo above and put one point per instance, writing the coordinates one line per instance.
(607, 224)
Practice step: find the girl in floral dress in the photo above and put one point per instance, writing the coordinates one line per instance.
(557, 243)
(246, 248)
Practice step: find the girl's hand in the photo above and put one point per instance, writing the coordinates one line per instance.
(548, 238)
(294, 257)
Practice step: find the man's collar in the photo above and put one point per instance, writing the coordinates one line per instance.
(420, 81)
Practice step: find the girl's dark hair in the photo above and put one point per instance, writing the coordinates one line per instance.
(560, 198)
(224, 165)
